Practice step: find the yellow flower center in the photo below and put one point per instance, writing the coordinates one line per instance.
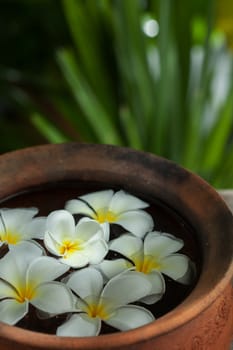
(103, 215)
(146, 264)
(69, 247)
(10, 237)
(97, 310)
(25, 293)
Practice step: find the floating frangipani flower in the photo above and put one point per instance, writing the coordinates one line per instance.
(77, 245)
(109, 303)
(107, 207)
(104, 289)
(18, 225)
(27, 277)
(154, 256)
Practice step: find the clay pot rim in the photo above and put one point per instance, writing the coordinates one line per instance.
(182, 314)
(169, 322)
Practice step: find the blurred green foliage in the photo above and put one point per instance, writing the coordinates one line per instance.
(92, 71)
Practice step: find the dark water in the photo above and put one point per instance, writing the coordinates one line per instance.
(54, 196)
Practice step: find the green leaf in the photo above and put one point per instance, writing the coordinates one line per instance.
(47, 129)
(79, 128)
(86, 23)
(223, 176)
(163, 92)
(98, 118)
(138, 89)
(130, 129)
(219, 136)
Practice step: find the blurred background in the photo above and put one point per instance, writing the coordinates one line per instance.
(155, 75)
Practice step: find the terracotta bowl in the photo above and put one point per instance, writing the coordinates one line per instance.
(204, 318)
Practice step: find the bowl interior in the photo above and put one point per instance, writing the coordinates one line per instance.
(181, 203)
(53, 196)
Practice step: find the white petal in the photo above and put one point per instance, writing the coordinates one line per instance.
(51, 244)
(90, 203)
(34, 229)
(7, 291)
(105, 227)
(12, 311)
(81, 305)
(14, 264)
(77, 259)
(130, 317)
(175, 266)
(111, 268)
(126, 288)
(76, 206)
(158, 288)
(157, 281)
(122, 201)
(28, 250)
(15, 218)
(161, 244)
(61, 225)
(45, 269)
(151, 299)
(2, 227)
(190, 274)
(85, 230)
(53, 297)
(126, 245)
(9, 270)
(43, 315)
(138, 222)
(86, 282)
(98, 200)
(13, 222)
(96, 251)
(80, 326)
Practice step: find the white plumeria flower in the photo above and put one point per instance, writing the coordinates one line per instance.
(26, 277)
(107, 207)
(154, 256)
(77, 245)
(107, 303)
(18, 225)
